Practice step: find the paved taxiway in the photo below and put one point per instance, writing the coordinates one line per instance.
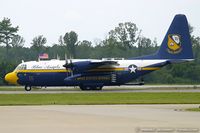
(97, 118)
(114, 89)
(103, 91)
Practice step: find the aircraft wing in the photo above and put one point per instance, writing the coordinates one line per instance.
(89, 65)
(97, 65)
(102, 63)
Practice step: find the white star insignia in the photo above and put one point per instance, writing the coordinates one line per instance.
(132, 69)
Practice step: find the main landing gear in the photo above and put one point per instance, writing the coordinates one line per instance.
(27, 88)
(88, 88)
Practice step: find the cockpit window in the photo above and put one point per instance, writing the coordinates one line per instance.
(21, 67)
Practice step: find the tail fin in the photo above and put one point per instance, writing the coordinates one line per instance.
(177, 43)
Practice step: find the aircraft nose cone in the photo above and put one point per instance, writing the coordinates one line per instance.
(11, 78)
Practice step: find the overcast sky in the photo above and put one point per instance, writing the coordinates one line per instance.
(93, 19)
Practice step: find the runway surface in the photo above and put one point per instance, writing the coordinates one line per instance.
(111, 89)
(98, 119)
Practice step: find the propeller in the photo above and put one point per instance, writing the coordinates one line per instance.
(69, 64)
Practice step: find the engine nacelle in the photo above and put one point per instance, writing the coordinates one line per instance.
(81, 66)
(72, 80)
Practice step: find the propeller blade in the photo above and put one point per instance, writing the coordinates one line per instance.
(66, 60)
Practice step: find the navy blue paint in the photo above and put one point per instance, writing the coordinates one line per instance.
(65, 79)
(83, 66)
(42, 79)
(178, 26)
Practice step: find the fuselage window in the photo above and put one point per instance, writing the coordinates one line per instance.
(21, 67)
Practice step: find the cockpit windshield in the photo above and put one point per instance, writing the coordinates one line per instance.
(21, 67)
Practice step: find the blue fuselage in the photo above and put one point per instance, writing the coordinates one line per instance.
(67, 79)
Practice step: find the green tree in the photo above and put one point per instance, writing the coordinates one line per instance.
(61, 41)
(144, 45)
(127, 33)
(38, 43)
(70, 40)
(84, 49)
(196, 48)
(17, 41)
(112, 48)
(7, 33)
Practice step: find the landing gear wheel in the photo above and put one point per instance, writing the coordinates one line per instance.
(84, 88)
(98, 88)
(88, 88)
(28, 88)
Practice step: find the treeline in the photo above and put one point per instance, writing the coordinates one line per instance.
(124, 41)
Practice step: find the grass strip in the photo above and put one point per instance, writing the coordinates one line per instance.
(193, 109)
(100, 98)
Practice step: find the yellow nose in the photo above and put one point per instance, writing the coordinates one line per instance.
(11, 78)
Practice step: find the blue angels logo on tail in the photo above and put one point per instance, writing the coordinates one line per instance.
(174, 44)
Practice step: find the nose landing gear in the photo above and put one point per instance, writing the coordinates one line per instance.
(27, 88)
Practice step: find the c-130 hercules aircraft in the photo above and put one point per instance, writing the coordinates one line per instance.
(93, 74)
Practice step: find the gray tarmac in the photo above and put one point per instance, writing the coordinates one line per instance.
(110, 89)
(99, 119)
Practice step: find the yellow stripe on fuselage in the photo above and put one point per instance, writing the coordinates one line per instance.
(92, 70)
(150, 68)
(68, 70)
(123, 69)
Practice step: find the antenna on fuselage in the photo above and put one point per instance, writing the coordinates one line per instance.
(58, 57)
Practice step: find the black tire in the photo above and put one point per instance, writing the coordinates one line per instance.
(88, 88)
(84, 88)
(98, 88)
(28, 88)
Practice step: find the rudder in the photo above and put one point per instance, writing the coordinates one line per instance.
(177, 43)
